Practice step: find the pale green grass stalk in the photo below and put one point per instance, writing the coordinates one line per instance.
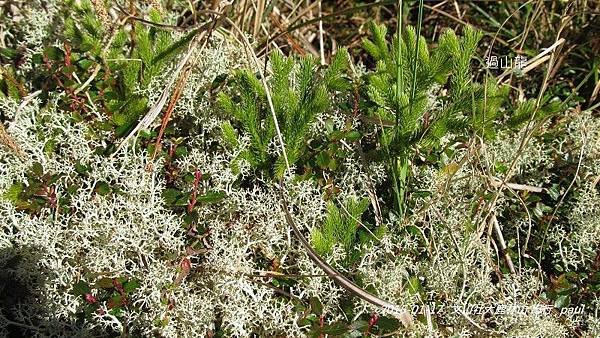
(400, 162)
(398, 193)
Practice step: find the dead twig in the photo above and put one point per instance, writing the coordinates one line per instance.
(10, 143)
(291, 41)
(495, 182)
(6, 139)
(535, 61)
(502, 244)
(167, 117)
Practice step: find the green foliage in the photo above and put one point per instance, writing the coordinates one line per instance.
(300, 92)
(83, 28)
(341, 226)
(128, 64)
(37, 194)
(431, 97)
(406, 88)
(176, 198)
(382, 85)
(527, 111)
(114, 293)
(466, 105)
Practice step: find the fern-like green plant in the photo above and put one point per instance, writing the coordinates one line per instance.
(422, 115)
(341, 226)
(466, 104)
(300, 91)
(129, 63)
(526, 111)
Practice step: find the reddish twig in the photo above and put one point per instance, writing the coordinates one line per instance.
(197, 178)
(321, 325)
(167, 117)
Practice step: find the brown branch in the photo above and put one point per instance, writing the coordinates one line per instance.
(10, 143)
(167, 117)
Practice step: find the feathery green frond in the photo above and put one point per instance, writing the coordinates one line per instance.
(300, 91)
(340, 227)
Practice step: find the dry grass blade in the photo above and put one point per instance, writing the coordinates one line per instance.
(10, 143)
(527, 134)
(515, 186)
(295, 26)
(536, 61)
(170, 108)
(292, 42)
(502, 244)
(462, 22)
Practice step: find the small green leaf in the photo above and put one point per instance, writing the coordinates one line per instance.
(316, 306)
(37, 59)
(37, 169)
(85, 64)
(129, 113)
(81, 288)
(102, 188)
(218, 81)
(329, 125)
(171, 195)
(80, 168)
(353, 136)
(562, 301)
(54, 53)
(323, 159)
(304, 322)
(388, 324)
(181, 151)
(115, 302)
(104, 283)
(8, 53)
(335, 329)
(414, 285)
(211, 197)
(131, 285)
(332, 165)
(554, 192)
(13, 192)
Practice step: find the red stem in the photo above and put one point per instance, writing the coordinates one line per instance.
(197, 177)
